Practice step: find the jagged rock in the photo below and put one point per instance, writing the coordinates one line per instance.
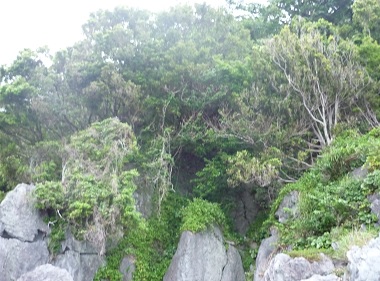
(79, 258)
(244, 211)
(284, 268)
(364, 262)
(127, 268)
(46, 272)
(17, 257)
(204, 257)
(317, 277)
(374, 199)
(288, 207)
(18, 217)
(266, 250)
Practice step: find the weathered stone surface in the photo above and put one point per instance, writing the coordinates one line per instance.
(17, 258)
(71, 244)
(245, 210)
(203, 257)
(79, 258)
(288, 207)
(317, 277)
(266, 250)
(364, 263)
(374, 199)
(46, 272)
(284, 268)
(18, 217)
(234, 267)
(127, 268)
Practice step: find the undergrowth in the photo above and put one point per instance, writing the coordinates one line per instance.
(332, 197)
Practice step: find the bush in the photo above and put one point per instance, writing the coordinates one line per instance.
(329, 195)
(95, 195)
(200, 214)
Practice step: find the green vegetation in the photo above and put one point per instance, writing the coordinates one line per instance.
(182, 110)
(95, 187)
(200, 214)
(332, 201)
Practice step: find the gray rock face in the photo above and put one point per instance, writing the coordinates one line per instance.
(18, 217)
(204, 257)
(80, 259)
(374, 199)
(317, 277)
(22, 232)
(127, 268)
(17, 258)
(284, 268)
(364, 263)
(46, 272)
(245, 210)
(266, 250)
(288, 207)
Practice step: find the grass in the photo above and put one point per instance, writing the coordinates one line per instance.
(344, 240)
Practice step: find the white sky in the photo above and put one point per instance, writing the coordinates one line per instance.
(57, 23)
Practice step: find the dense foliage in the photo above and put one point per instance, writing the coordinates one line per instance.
(187, 108)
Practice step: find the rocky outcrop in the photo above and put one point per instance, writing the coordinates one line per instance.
(266, 251)
(19, 218)
(46, 272)
(79, 258)
(364, 262)
(22, 234)
(17, 257)
(205, 257)
(23, 243)
(374, 199)
(283, 267)
(245, 210)
(288, 207)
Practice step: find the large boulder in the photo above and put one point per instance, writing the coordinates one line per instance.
(46, 272)
(19, 218)
(283, 267)
(79, 258)
(288, 208)
(364, 262)
(22, 234)
(205, 257)
(17, 258)
(267, 248)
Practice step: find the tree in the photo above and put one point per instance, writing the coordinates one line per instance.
(366, 14)
(334, 11)
(324, 73)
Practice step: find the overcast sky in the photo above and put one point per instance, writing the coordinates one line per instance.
(57, 23)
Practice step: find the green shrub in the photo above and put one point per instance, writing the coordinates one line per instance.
(372, 182)
(329, 195)
(200, 214)
(95, 195)
(153, 244)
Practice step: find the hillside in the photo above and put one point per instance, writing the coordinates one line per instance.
(198, 126)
